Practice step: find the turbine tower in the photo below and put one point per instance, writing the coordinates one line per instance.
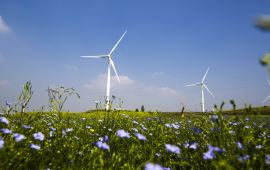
(110, 64)
(267, 96)
(203, 86)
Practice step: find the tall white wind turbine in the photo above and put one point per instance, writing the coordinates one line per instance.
(202, 86)
(110, 63)
(267, 96)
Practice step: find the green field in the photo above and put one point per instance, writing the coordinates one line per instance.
(175, 141)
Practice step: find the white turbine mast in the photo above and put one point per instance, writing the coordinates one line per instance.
(203, 86)
(110, 64)
(267, 96)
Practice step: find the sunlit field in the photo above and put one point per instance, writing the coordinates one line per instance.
(132, 140)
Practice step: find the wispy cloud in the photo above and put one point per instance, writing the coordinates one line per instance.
(3, 83)
(101, 82)
(3, 26)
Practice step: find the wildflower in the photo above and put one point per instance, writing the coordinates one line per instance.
(158, 154)
(4, 120)
(102, 145)
(92, 130)
(194, 146)
(135, 130)
(26, 127)
(64, 133)
(100, 120)
(49, 124)
(214, 118)
(76, 138)
(100, 139)
(1, 143)
(140, 136)
(38, 136)
(135, 122)
(51, 133)
(239, 145)
(110, 129)
(19, 137)
(247, 119)
(69, 130)
(144, 128)
(247, 127)
(232, 132)
(168, 125)
(259, 146)
(83, 119)
(122, 134)
(267, 159)
(8, 104)
(33, 146)
(151, 166)
(172, 148)
(243, 158)
(6, 131)
(87, 127)
(106, 138)
(175, 126)
(53, 129)
(210, 153)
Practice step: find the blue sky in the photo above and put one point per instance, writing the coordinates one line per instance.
(168, 44)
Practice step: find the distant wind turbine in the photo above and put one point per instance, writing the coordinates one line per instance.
(110, 63)
(267, 96)
(202, 86)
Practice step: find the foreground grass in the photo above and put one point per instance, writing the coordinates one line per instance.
(70, 141)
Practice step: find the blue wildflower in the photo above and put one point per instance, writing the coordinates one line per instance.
(151, 166)
(26, 127)
(6, 131)
(19, 137)
(106, 138)
(38, 136)
(267, 159)
(239, 145)
(4, 120)
(259, 147)
(122, 134)
(140, 136)
(243, 158)
(210, 153)
(69, 130)
(102, 145)
(172, 148)
(194, 146)
(33, 146)
(1, 143)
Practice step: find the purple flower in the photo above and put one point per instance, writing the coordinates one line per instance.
(106, 138)
(239, 145)
(151, 166)
(135, 130)
(194, 146)
(51, 133)
(38, 136)
(140, 136)
(4, 120)
(259, 146)
(210, 153)
(122, 134)
(267, 159)
(1, 143)
(19, 137)
(33, 146)
(102, 145)
(6, 131)
(243, 158)
(172, 148)
(26, 127)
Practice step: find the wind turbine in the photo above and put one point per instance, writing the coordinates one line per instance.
(202, 86)
(267, 96)
(110, 63)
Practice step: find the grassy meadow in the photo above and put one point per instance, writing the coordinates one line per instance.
(133, 140)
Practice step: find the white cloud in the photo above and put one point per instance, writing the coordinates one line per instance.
(3, 26)
(101, 82)
(3, 83)
(71, 67)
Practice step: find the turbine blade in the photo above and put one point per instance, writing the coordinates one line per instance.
(205, 74)
(96, 56)
(117, 43)
(111, 61)
(195, 84)
(208, 90)
(266, 98)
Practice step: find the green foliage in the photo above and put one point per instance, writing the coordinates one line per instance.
(263, 23)
(25, 96)
(69, 141)
(58, 96)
